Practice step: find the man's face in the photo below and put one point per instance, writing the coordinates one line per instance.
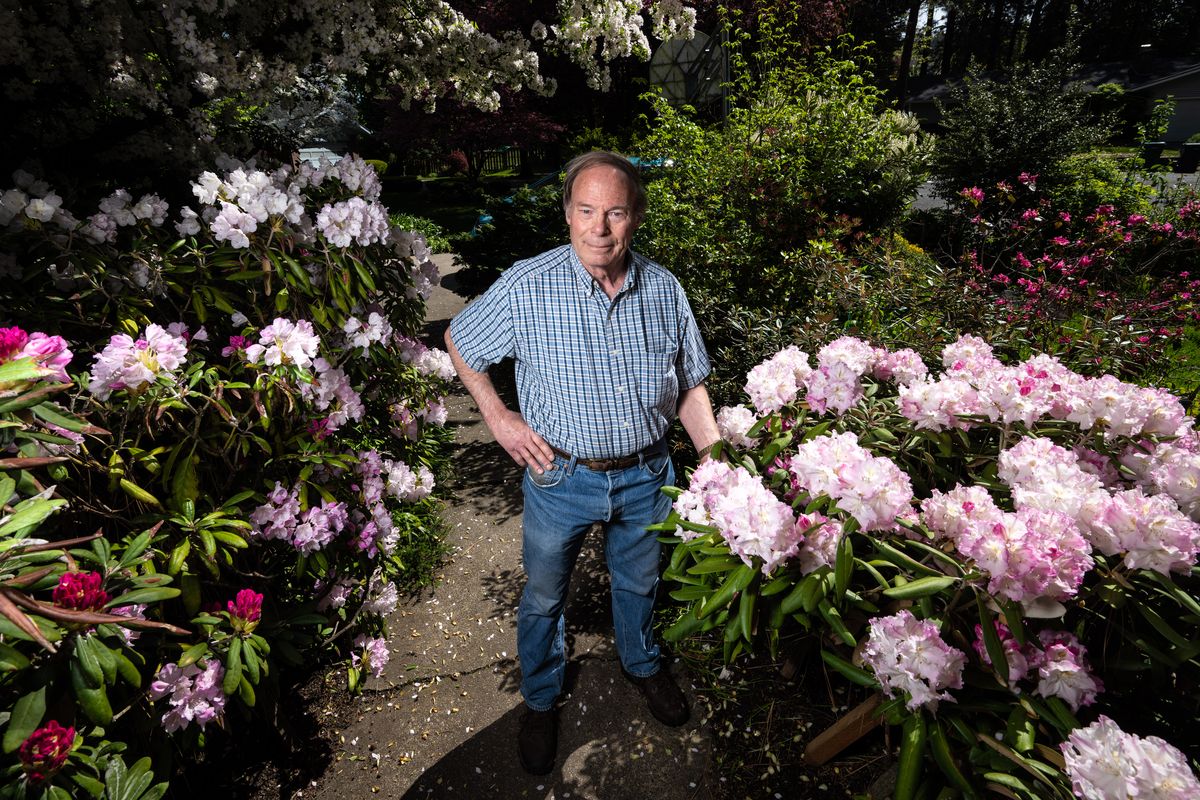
(601, 218)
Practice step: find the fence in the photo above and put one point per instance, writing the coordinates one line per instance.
(498, 160)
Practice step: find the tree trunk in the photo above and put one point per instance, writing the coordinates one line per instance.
(948, 41)
(910, 35)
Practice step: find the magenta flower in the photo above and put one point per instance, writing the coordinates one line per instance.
(80, 591)
(973, 195)
(236, 345)
(45, 751)
(245, 611)
(12, 340)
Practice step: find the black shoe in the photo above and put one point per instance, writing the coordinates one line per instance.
(538, 741)
(664, 699)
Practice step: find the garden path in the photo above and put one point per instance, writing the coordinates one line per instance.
(443, 719)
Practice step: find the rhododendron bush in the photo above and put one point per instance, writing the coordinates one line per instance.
(219, 443)
(1005, 551)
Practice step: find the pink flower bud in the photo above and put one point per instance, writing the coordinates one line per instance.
(80, 591)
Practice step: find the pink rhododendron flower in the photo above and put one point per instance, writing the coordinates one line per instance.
(939, 405)
(776, 382)
(821, 537)
(407, 484)
(833, 387)
(12, 340)
(908, 655)
(194, 694)
(50, 352)
(872, 489)
(973, 195)
(236, 345)
(1105, 763)
(902, 366)
(80, 591)
(733, 422)
(370, 654)
(45, 751)
(332, 389)
(753, 522)
(128, 364)
(1063, 670)
(245, 611)
(855, 354)
(285, 342)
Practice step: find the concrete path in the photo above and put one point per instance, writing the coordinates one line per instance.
(443, 720)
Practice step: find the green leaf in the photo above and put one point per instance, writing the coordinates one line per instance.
(149, 595)
(27, 714)
(991, 641)
(834, 618)
(22, 369)
(843, 567)
(233, 667)
(852, 673)
(715, 564)
(912, 756)
(737, 580)
(193, 654)
(921, 587)
(138, 493)
(12, 659)
(27, 515)
(135, 548)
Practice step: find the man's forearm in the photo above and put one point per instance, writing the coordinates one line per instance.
(696, 414)
(479, 384)
(520, 441)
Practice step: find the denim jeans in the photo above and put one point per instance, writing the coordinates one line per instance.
(561, 505)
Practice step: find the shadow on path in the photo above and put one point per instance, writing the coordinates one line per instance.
(600, 755)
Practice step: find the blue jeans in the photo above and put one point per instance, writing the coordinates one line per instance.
(561, 505)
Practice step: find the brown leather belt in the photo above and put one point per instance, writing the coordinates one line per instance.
(602, 464)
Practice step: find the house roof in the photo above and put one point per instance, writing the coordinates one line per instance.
(1133, 76)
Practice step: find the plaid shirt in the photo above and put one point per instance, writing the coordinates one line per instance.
(598, 378)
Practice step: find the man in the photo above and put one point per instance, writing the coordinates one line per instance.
(607, 353)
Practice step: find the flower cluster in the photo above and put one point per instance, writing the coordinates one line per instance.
(245, 611)
(751, 519)
(45, 751)
(1029, 554)
(407, 422)
(1105, 763)
(309, 531)
(353, 221)
(80, 591)
(362, 334)
(975, 383)
(332, 389)
(734, 422)
(126, 363)
(1150, 530)
(907, 654)
(285, 342)
(427, 360)
(194, 694)
(1058, 660)
(872, 489)
(370, 654)
(52, 353)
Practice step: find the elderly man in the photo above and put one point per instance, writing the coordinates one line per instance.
(607, 353)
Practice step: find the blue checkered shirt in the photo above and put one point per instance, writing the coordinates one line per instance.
(598, 378)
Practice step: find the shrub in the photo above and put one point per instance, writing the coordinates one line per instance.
(434, 235)
(1090, 180)
(1005, 552)
(810, 153)
(1024, 121)
(254, 435)
(528, 222)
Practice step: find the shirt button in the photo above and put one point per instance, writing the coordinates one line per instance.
(620, 390)
(612, 352)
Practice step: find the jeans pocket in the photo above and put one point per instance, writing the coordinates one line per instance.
(656, 464)
(548, 479)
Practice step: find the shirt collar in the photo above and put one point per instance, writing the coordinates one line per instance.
(588, 284)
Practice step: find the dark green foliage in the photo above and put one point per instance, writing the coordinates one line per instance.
(1028, 121)
(526, 223)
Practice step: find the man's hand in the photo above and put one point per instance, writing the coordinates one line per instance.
(522, 443)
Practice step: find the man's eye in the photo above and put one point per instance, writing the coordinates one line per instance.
(616, 216)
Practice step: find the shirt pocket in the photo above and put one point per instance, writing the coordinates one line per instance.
(657, 381)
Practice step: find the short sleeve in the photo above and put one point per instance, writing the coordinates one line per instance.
(693, 365)
(483, 331)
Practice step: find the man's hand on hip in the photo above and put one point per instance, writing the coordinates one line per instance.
(522, 443)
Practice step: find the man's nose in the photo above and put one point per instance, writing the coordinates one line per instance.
(600, 223)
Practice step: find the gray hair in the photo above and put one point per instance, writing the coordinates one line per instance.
(603, 158)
